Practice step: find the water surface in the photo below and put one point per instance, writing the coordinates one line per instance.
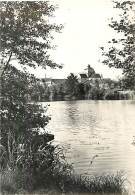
(97, 135)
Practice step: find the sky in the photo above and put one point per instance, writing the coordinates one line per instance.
(85, 31)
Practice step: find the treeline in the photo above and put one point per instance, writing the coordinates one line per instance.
(73, 89)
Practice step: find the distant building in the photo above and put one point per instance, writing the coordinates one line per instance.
(91, 72)
(58, 81)
(51, 83)
(90, 77)
(45, 81)
(83, 75)
(97, 76)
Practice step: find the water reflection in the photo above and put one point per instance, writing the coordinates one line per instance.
(104, 129)
(71, 112)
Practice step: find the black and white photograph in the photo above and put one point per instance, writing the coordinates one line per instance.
(67, 97)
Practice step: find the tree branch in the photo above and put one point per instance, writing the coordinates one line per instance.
(6, 65)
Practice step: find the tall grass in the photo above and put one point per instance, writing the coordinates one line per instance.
(68, 184)
(107, 183)
(7, 181)
(59, 178)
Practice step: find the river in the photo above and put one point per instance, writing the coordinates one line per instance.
(97, 135)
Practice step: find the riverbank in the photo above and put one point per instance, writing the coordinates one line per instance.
(67, 184)
(111, 95)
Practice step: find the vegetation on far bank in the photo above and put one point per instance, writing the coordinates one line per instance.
(74, 88)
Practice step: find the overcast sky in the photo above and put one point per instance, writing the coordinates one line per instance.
(85, 30)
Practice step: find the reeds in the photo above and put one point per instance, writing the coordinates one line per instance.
(69, 184)
(107, 183)
(60, 178)
(7, 181)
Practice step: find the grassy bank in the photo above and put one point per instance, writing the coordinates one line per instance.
(48, 172)
(59, 183)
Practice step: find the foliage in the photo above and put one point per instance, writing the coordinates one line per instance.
(81, 91)
(25, 37)
(93, 184)
(127, 83)
(20, 120)
(112, 95)
(121, 52)
(35, 167)
(72, 85)
(27, 27)
(62, 178)
(7, 182)
(26, 32)
(41, 92)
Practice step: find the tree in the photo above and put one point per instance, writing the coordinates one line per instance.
(25, 37)
(81, 90)
(121, 53)
(72, 85)
(26, 33)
